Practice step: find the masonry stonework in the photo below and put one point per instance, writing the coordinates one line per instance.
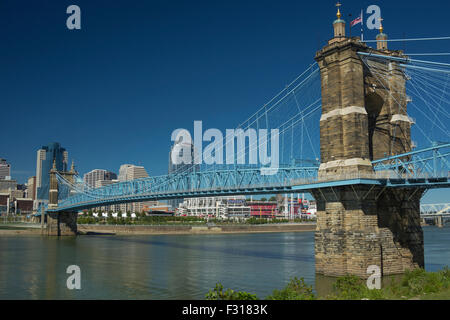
(364, 118)
(361, 226)
(61, 224)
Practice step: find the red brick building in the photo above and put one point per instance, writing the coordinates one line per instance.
(263, 209)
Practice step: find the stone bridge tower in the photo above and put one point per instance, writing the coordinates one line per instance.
(364, 117)
(61, 223)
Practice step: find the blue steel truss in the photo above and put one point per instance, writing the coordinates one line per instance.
(427, 168)
(195, 184)
(430, 163)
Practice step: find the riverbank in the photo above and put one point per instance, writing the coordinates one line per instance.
(185, 229)
(19, 229)
(99, 229)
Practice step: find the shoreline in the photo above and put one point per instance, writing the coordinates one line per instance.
(91, 229)
(13, 230)
(169, 229)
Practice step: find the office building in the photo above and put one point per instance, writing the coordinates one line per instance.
(23, 205)
(31, 188)
(4, 202)
(129, 172)
(93, 176)
(5, 170)
(8, 185)
(45, 157)
(103, 183)
(174, 168)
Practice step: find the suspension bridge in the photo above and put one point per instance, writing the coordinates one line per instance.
(364, 130)
(419, 171)
(437, 213)
(295, 111)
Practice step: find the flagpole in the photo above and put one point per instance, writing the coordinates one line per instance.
(350, 24)
(362, 26)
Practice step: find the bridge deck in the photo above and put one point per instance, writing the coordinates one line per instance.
(293, 187)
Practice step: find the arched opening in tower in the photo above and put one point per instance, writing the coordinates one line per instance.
(374, 104)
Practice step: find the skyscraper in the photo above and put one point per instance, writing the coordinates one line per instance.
(179, 146)
(45, 157)
(131, 172)
(31, 188)
(93, 176)
(5, 169)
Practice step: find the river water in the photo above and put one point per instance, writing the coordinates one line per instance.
(168, 266)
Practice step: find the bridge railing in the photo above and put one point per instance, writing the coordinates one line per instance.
(432, 162)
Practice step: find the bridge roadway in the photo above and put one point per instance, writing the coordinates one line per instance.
(419, 170)
(431, 215)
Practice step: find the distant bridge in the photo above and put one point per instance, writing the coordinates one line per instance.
(435, 210)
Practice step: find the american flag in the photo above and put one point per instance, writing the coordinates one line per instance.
(356, 21)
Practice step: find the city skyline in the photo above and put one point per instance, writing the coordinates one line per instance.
(218, 75)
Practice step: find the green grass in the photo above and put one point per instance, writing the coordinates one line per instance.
(443, 295)
(417, 284)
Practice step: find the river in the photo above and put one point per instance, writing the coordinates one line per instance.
(168, 266)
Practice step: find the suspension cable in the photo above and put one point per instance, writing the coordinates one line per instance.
(412, 39)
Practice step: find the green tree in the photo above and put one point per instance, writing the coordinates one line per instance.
(296, 289)
(351, 287)
(219, 294)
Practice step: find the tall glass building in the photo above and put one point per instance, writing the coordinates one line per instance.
(182, 167)
(44, 164)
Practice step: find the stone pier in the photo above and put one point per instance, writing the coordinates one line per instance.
(58, 223)
(359, 226)
(439, 222)
(61, 224)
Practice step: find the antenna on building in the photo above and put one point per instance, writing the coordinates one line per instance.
(338, 14)
(350, 25)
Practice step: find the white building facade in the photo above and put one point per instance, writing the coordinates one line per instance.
(5, 170)
(215, 207)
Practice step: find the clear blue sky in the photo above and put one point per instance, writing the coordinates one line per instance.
(113, 92)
